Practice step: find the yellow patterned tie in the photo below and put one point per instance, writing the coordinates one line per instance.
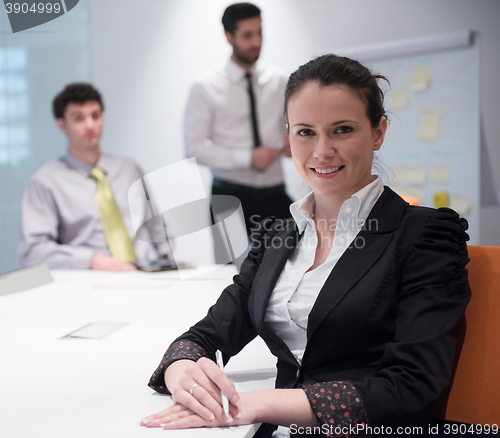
(116, 233)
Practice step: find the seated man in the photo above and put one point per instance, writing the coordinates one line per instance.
(75, 211)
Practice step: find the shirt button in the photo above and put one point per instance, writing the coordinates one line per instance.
(298, 373)
(348, 210)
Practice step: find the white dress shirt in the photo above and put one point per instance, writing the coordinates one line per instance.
(61, 223)
(218, 125)
(297, 288)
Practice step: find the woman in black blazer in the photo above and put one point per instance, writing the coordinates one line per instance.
(373, 348)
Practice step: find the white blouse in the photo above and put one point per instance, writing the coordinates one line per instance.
(297, 288)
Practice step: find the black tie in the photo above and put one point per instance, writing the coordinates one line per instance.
(255, 126)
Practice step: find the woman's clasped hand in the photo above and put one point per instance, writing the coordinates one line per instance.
(196, 393)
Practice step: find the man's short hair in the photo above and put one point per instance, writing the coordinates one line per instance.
(75, 93)
(237, 12)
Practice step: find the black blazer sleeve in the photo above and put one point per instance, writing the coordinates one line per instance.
(432, 295)
(227, 326)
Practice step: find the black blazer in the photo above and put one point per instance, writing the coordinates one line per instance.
(385, 319)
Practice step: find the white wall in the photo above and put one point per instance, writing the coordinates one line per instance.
(147, 53)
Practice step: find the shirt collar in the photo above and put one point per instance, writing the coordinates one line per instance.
(236, 73)
(303, 211)
(84, 167)
(368, 196)
(361, 203)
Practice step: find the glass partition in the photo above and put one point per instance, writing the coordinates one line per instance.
(35, 64)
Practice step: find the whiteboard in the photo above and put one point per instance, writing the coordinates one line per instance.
(442, 160)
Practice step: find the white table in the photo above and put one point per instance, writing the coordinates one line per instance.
(53, 387)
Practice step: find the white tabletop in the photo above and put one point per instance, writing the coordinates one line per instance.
(53, 387)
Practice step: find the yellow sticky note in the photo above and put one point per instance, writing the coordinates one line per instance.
(416, 192)
(441, 199)
(428, 129)
(461, 204)
(416, 174)
(409, 174)
(398, 99)
(399, 174)
(421, 78)
(441, 173)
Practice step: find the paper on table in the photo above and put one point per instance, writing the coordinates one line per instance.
(97, 330)
(24, 279)
(429, 125)
(421, 78)
(461, 204)
(441, 199)
(441, 173)
(398, 99)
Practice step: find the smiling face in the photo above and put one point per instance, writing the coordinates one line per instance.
(332, 140)
(82, 124)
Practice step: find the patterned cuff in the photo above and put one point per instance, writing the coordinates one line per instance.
(178, 350)
(338, 405)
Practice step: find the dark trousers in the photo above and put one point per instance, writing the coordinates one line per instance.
(257, 204)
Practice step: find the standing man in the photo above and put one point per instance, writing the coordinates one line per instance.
(75, 211)
(234, 122)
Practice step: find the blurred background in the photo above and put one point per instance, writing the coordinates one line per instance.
(144, 55)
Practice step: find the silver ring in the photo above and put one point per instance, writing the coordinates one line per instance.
(192, 388)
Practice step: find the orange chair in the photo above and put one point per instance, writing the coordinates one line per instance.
(410, 199)
(473, 396)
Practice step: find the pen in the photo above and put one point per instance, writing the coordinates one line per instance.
(220, 363)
